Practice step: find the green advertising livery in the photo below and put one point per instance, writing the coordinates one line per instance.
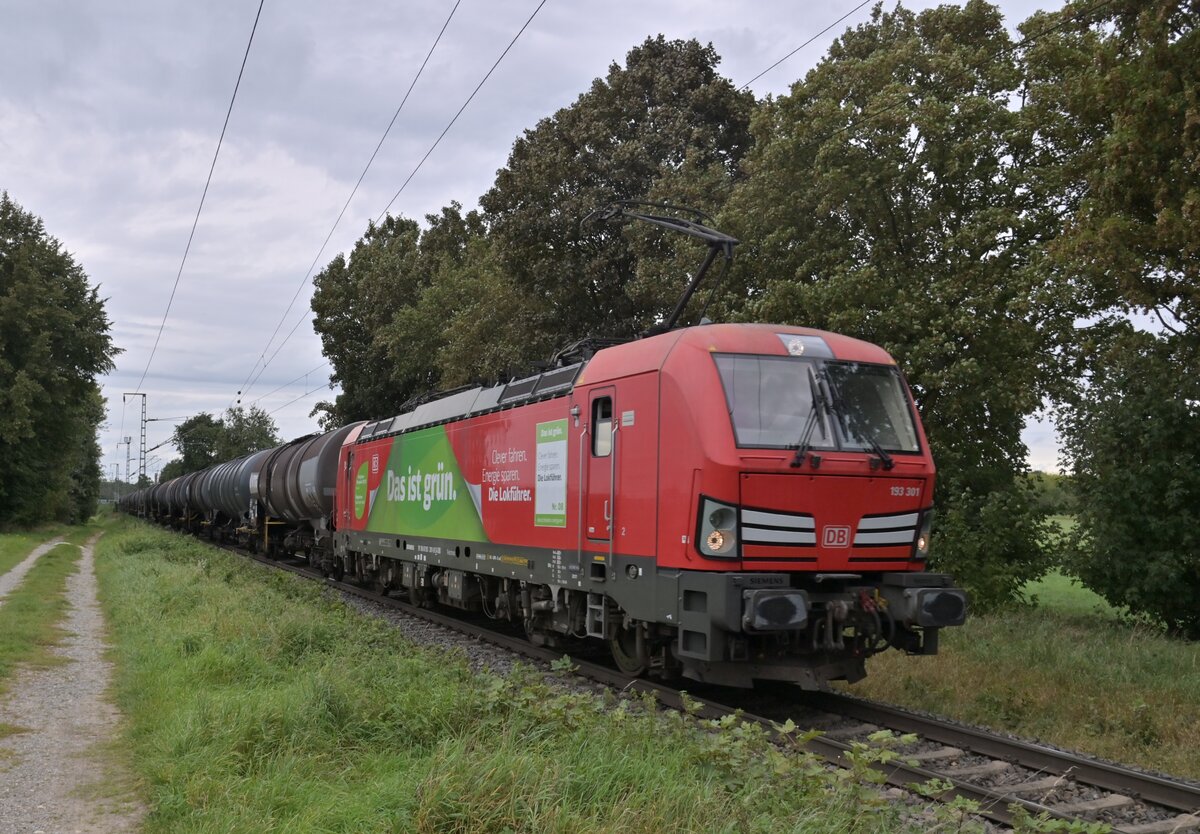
(422, 491)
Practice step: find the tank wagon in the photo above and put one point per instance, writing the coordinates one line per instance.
(729, 502)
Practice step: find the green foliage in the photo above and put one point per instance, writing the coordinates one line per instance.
(662, 126)
(884, 202)
(205, 440)
(196, 439)
(1112, 91)
(1027, 823)
(483, 309)
(1052, 493)
(380, 339)
(246, 431)
(1133, 439)
(53, 343)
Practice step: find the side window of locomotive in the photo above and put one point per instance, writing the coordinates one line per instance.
(602, 427)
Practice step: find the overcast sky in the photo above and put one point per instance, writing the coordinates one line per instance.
(110, 114)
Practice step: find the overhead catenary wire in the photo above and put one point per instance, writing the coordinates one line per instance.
(290, 382)
(416, 169)
(806, 43)
(251, 379)
(299, 398)
(471, 97)
(203, 195)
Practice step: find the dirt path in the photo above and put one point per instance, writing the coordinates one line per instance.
(13, 578)
(53, 777)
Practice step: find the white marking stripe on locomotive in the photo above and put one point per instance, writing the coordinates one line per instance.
(888, 521)
(796, 522)
(756, 535)
(890, 537)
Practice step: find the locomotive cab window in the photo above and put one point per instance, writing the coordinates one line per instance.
(602, 427)
(778, 402)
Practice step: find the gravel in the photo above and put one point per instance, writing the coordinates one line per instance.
(53, 777)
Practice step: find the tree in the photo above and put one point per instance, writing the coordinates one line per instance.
(665, 117)
(246, 431)
(1112, 90)
(1133, 437)
(884, 201)
(482, 310)
(475, 297)
(354, 300)
(54, 341)
(197, 439)
(205, 441)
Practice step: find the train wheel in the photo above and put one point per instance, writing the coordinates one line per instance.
(625, 652)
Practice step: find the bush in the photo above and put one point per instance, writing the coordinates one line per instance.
(1132, 437)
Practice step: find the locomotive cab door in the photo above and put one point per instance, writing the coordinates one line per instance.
(601, 459)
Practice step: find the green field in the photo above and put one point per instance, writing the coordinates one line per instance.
(1065, 595)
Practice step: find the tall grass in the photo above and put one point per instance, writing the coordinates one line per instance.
(256, 702)
(1073, 675)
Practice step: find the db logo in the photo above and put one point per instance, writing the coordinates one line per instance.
(836, 537)
(374, 463)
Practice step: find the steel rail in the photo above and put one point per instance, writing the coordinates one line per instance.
(1148, 787)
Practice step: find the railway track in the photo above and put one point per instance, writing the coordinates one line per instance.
(1002, 775)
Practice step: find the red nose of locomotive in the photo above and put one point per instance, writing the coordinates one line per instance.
(832, 522)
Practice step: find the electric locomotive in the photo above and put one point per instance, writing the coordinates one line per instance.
(729, 502)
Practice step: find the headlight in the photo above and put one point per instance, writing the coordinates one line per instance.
(921, 547)
(717, 536)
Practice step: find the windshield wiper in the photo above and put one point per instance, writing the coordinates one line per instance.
(819, 405)
(884, 458)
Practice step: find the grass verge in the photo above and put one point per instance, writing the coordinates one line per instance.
(257, 702)
(14, 547)
(31, 614)
(1069, 674)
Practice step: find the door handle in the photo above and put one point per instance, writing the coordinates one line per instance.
(607, 517)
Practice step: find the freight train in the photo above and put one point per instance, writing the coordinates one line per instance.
(728, 502)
